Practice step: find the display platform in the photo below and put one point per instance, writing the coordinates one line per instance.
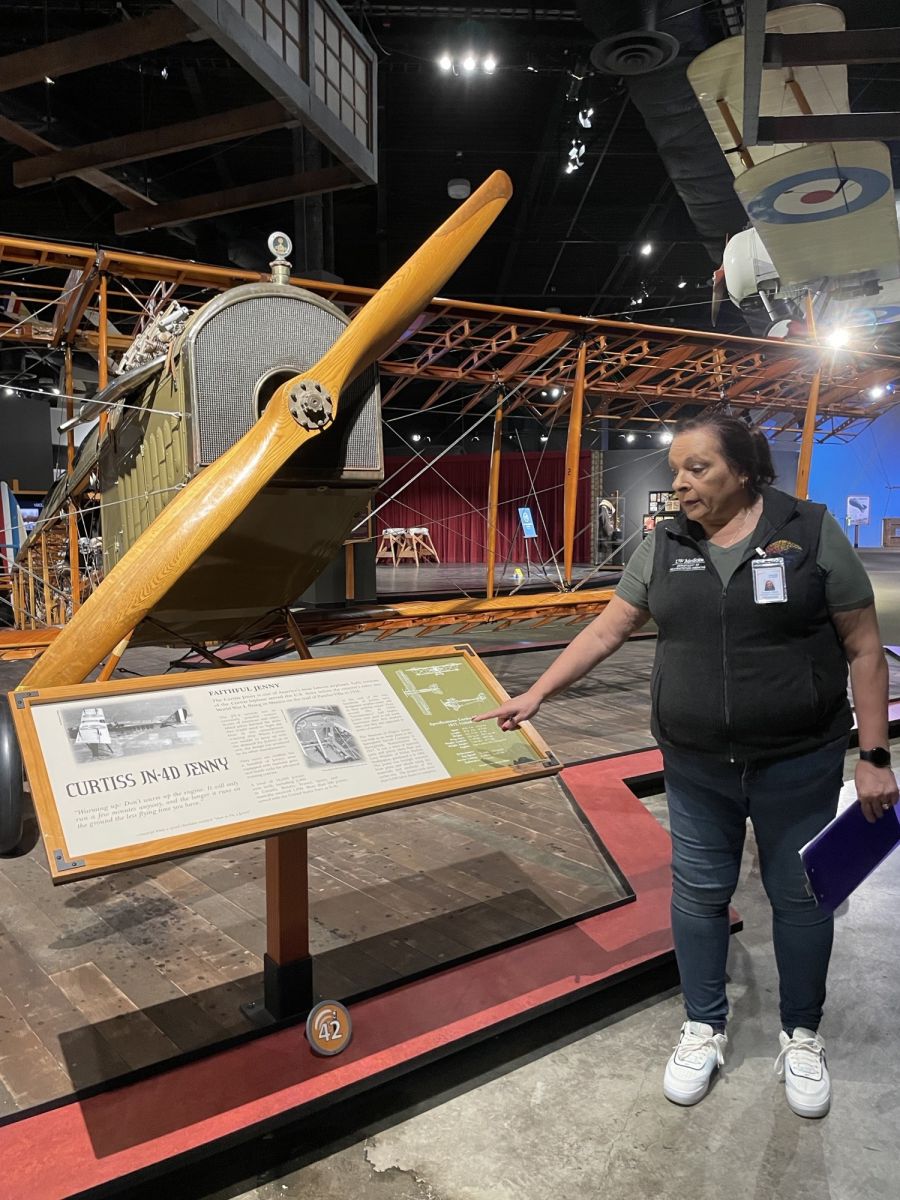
(105, 1137)
(408, 581)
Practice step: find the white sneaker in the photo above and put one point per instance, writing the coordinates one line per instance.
(699, 1052)
(801, 1064)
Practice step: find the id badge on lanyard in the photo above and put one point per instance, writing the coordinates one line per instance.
(769, 584)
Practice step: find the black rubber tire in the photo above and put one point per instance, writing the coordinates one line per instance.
(12, 783)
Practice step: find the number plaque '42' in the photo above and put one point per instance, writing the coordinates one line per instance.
(328, 1027)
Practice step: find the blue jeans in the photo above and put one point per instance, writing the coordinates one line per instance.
(788, 801)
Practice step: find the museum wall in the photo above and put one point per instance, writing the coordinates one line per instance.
(869, 465)
(637, 471)
(25, 449)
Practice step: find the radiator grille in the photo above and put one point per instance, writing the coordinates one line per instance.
(240, 343)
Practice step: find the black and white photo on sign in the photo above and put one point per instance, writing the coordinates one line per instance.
(325, 736)
(113, 729)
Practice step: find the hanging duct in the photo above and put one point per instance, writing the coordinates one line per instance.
(650, 44)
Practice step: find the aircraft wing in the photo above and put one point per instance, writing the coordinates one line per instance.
(717, 77)
(825, 210)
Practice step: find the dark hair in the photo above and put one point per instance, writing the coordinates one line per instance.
(745, 450)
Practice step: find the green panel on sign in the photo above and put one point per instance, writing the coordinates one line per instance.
(442, 695)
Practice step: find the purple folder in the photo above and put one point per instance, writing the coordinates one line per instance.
(846, 852)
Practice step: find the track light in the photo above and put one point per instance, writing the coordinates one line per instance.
(469, 63)
(47, 79)
(555, 393)
(445, 62)
(164, 73)
(489, 65)
(575, 156)
(416, 437)
(544, 437)
(646, 249)
(8, 391)
(682, 283)
(584, 118)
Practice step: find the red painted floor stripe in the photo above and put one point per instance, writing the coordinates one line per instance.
(82, 1144)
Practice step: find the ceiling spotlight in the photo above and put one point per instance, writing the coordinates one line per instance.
(469, 63)
(8, 391)
(47, 79)
(646, 249)
(629, 437)
(555, 393)
(55, 391)
(876, 392)
(682, 283)
(544, 437)
(445, 62)
(164, 73)
(489, 66)
(838, 338)
(665, 437)
(584, 118)
(570, 167)
(416, 437)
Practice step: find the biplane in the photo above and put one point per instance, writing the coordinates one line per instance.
(823, 216)
(235, 445)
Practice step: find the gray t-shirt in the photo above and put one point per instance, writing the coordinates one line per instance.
(847, 585)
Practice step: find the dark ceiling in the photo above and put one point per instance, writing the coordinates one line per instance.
(566, 241)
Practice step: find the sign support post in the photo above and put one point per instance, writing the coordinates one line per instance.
(287, 966)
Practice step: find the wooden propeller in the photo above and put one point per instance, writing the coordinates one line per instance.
(192, 521)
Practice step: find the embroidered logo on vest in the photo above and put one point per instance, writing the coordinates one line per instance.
(688, 564)
(783, 549)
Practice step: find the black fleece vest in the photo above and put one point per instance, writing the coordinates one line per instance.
(735, 679)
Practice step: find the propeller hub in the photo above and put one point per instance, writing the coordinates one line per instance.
(310, 405)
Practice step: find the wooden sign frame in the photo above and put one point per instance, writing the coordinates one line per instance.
(68, 862)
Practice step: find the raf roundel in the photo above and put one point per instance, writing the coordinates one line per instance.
(818, 195)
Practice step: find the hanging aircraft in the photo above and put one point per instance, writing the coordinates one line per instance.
(823, 216)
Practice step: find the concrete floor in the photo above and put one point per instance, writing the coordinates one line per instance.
(575, 1109)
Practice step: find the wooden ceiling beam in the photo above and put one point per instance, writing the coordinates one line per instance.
(254, 195)
(111, 43)
(129, 197)
(151, 143)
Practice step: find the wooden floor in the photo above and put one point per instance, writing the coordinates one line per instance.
(106, 975)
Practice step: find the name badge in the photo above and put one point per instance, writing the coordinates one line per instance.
(769, 586)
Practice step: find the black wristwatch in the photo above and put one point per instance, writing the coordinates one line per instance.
(879, 757)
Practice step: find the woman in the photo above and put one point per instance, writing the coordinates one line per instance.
(761, 604)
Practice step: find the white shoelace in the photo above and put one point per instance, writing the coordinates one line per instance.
(804, 1055)
(693, 1047)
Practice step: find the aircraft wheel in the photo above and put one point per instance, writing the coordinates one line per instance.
(12, 781)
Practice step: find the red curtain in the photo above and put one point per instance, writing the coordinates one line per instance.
(451, 500)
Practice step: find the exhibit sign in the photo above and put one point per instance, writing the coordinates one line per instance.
(526, 520)
(138, 770)
(858, 510)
